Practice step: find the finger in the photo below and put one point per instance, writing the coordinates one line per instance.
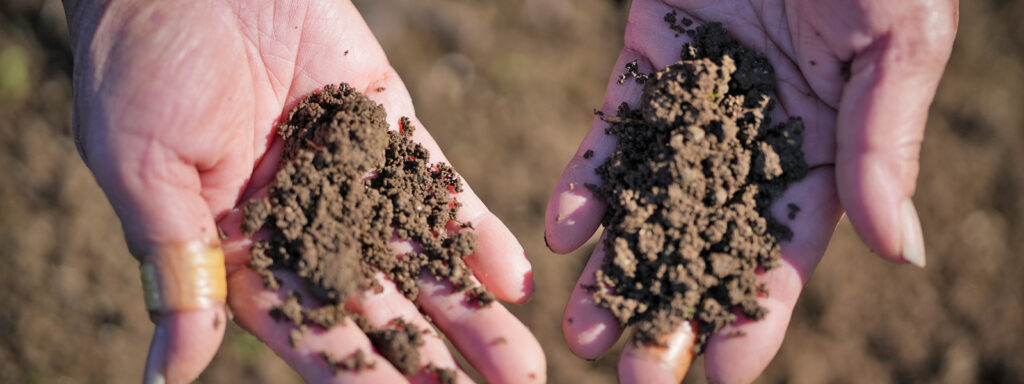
(499, 261)
(740, 352)
(659, 364)
(183, 344)
(378, 308)
(165, 218)
(382, 308)
(184, 289)
(135, 116)
(251, 304)
(589, 330)
(881, 123)
(573, 212)
(500, 347)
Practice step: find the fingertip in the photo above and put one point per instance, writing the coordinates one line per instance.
(665, 363)
(573, 212)
(500, 262)
(589, 329)
(639, 370)
(740, 352)
(155, 361)
(912, 240)
(183, 345)
(533, 365)
(476, 331)
(880, 128)
(572, 216)
(526, 290)
(634, 368)
(869, 194)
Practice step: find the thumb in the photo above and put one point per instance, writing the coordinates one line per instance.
(171, 231)
(154, 129)
(880, 127)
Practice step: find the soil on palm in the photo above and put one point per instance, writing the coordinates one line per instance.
(346, 187)
(688, 187)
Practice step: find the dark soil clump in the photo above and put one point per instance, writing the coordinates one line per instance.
(346, 186)
(679, 26)
(398, 345)
(444, 375)
(688, 186)
(633, 72)
(355, 362)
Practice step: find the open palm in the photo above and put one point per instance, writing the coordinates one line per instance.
(861, 74)
(175, 108)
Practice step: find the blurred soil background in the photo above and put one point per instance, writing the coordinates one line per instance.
(508, 88)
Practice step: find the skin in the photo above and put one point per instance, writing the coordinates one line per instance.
(862, 141)
(175, 105)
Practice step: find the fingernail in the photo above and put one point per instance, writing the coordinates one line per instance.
(155, 363)
(910, 229)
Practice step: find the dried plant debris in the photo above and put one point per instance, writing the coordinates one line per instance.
(688, 187)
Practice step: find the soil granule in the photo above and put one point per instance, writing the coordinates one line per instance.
(346, 187)
(355, 362)
(444, 375)
(399, 345)
(688, 187)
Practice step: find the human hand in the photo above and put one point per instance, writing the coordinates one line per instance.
(175, 105)
(861, 74)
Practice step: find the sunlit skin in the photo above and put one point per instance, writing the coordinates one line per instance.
(174, 109)
(861, 74)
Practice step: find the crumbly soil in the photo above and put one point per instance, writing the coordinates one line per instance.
(695, 168)
(398, 343)
(347, 186)
(355, 362)
(443, 375)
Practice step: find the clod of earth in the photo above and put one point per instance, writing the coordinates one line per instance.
(355, 362)
(399, 345)
(696, 167)
(444, 375)
(330, 223)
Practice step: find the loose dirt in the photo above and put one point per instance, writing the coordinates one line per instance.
(398, 344)
(346, 187)
(444, 375)
(688, 186)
